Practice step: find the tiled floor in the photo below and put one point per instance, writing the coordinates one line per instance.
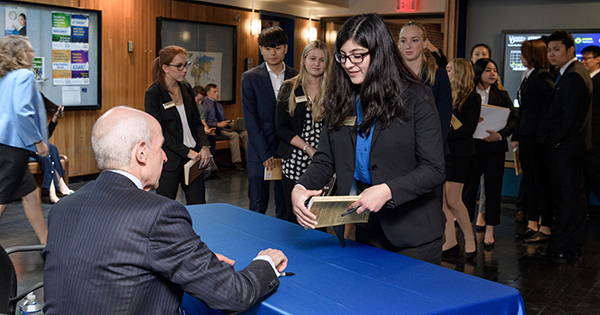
(546, 287)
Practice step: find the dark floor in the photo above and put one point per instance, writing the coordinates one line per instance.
(546, 287)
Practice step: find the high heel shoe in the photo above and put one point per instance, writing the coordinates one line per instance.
(489, 245)
(471, 255)
(451, 252)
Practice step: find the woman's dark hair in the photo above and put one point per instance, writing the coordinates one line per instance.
(479, 68)
(484, 46)
(165, 56)
(24, 17)
(535, 53)
(385, 81)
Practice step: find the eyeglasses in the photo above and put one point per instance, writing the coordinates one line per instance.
(354, 58)
(181, 66)
(587, 58)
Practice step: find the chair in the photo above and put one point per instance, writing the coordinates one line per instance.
(8, 279)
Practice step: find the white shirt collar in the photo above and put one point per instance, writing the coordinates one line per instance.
(273, 72)
(562, 70)
(135, 180)
(594, 73)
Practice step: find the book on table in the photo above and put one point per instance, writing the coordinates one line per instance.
(329, 210)
(192, 170)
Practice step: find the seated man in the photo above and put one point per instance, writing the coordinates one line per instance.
(215, 117)
(114, 248)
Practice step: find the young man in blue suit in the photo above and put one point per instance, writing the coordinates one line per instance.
(114, 248)
(565, 130)
(260, 87)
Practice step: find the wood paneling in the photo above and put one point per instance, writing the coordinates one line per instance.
(126, 76)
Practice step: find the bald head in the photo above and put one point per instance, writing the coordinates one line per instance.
(117, 133)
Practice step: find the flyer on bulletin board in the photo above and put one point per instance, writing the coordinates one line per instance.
(38, 69)
(70, 48)
(15, 20)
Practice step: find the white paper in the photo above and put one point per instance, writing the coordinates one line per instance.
(71, 95)
(494, 118)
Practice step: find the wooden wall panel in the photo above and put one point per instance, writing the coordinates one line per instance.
(126, 76)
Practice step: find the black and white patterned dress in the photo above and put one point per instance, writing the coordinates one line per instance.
(296, 165)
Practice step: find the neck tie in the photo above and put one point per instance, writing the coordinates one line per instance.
(558, 77)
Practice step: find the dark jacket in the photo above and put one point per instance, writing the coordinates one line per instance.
(500, 98)
(534, 93)
(460, 140)
(288, 126)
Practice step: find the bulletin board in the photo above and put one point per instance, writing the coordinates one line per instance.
(211, 50)
(67, 49)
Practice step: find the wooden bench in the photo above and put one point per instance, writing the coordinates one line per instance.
(36, 169)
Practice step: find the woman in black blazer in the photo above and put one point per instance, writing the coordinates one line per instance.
(383, 137)
(490, 150)
(299, 116)
(171, 102)
(533, 95)
(467, 108)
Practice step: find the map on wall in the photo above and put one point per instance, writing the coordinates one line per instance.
(205, 68)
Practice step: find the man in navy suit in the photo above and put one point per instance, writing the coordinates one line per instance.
(260, 87)
(114, 248)
(565, 130)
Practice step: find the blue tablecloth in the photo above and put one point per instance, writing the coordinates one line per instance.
(331, 279)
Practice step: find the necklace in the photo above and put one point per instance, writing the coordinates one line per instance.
(174, 97)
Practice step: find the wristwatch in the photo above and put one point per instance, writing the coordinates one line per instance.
(207, 147)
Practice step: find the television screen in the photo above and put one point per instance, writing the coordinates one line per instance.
(512, 68)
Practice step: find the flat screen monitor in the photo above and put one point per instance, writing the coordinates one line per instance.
(512, 68)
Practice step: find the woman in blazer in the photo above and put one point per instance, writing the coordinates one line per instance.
(490, 151)
(467, 108)
(533, 94)
(299, 116)
(171, 102)
(383, 137)
(22, 130)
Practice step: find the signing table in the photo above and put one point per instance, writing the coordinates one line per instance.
(331, 279)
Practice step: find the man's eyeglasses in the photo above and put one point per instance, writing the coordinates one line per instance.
(354, 58)
(181, 66)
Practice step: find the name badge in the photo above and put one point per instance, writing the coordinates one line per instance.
(349, 121)
(301, 99)
(168, 105)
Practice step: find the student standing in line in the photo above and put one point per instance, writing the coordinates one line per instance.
(490, 151)
(383, 137)
(260, 87)
(467, 108)
(590, 59)
(533, 95)
(300, 114)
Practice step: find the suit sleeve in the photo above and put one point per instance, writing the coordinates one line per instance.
(178, 254)
(321, 168)
(153, 106)
(252, 119)
(443, 101)
(429, 171)
(282, 117)
(23, 103)
(472, 110)
(513, 118)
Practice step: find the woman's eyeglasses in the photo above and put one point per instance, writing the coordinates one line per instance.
(354, 58)
(181, 66)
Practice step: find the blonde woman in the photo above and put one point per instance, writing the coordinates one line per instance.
(466, 104)
(299, 116)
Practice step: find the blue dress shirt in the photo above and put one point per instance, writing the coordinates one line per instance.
(362, 171)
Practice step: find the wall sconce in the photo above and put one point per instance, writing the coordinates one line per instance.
(255, 28)
(312, 33)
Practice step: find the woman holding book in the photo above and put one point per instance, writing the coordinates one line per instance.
(490, 150)
(171, 102)
(382, 138)
(299, 116)
(467, 107)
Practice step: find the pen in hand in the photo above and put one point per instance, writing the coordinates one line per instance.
(349, 211)
(286, 274)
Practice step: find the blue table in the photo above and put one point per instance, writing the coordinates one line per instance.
(331, 279)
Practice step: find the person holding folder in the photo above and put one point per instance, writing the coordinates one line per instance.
(489, 151)
(383, 139)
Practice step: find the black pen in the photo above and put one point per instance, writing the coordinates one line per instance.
(285, 274)
(349, 211)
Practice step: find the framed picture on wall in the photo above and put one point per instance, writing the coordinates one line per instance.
(211, 51)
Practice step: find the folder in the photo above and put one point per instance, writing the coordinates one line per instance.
(192, 170)
(276, 173)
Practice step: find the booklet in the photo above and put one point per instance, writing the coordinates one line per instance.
(192, 170)
(494, 118)
(329, 210)
(276, 173)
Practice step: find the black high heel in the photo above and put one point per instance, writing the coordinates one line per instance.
(471, 255)
(451, 252)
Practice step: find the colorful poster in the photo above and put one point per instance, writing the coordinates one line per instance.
(38, 69)
(61, 27)
(80, 28)
(80, 67)
(15, 20)
(205, 68)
